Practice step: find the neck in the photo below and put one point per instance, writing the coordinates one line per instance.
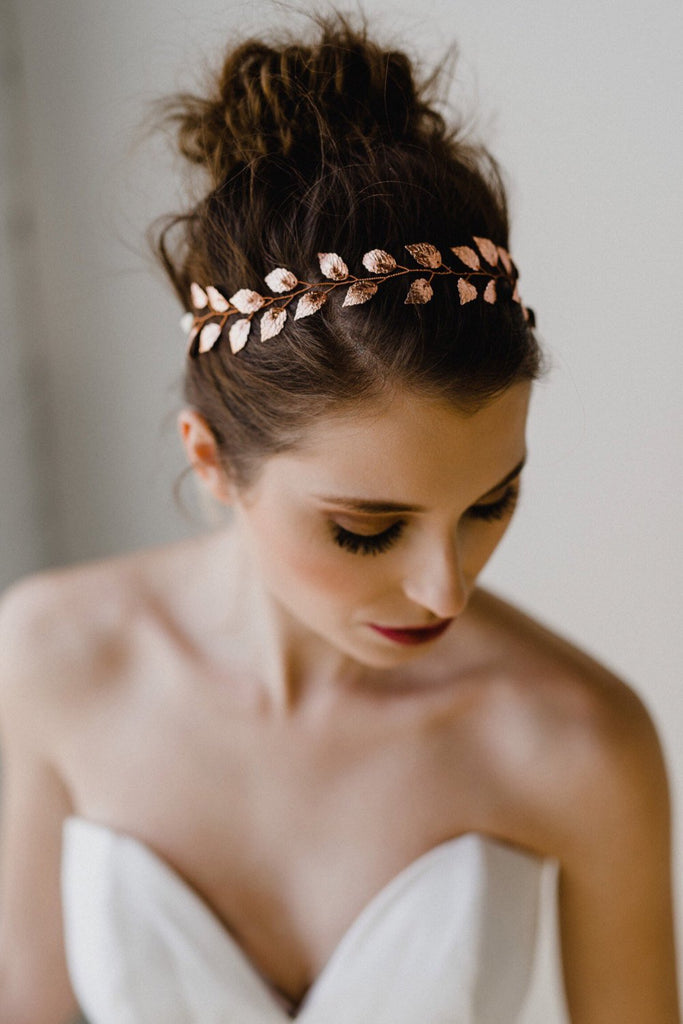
(292, 666)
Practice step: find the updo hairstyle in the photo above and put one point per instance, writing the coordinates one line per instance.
(333, 147)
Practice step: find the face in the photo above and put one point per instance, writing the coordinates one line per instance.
(382, 522)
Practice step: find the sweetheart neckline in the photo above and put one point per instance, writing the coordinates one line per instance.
(371, 907)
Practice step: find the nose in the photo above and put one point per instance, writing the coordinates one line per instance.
(436, 580)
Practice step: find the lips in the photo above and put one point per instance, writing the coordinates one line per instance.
(412, 636)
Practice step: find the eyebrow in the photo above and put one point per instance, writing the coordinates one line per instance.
(378, 507)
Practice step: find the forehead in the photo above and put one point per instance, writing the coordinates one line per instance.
(407, 449)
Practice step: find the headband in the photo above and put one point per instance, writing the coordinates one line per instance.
(488, 264)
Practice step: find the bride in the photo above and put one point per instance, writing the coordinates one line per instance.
(302, 765)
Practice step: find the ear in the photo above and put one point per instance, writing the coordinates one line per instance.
(203, 455)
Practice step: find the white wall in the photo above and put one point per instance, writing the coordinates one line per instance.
(26, 529)
(582, 103)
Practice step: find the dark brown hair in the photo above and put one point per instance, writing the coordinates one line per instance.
(333, 147)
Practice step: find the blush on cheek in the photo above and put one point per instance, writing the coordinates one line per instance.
(314, 566)
(327, 574)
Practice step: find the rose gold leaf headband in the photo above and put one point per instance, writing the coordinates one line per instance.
(212, 310)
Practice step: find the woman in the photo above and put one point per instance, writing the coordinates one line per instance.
(302, 766)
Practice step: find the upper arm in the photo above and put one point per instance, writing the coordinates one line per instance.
(616, 907)
(35, 983)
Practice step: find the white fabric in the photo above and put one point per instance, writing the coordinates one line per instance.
(450, 940)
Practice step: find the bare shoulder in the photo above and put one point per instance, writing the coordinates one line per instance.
(581, 769)
(67, 631)
(64, 645)
(72, 632)
(73, 639)
(578, 741)
(59, 612)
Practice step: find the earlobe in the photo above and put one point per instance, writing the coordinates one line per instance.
(203, 455)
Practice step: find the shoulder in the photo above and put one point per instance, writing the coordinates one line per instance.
(64, 633)
(72, 634)
(61, 650)
(575, 740)
(583, 778)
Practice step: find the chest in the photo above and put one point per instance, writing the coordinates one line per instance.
(284, 834)
(449, 938)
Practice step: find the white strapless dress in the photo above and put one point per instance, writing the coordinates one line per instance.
(454, 938)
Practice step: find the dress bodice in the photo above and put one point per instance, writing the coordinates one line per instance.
(452, 939)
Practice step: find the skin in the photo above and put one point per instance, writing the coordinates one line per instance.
(240, 668)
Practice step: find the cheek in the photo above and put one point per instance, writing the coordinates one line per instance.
(481, 542)
(296, 559)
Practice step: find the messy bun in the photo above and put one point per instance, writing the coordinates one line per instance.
(333, 146)
(302, 102)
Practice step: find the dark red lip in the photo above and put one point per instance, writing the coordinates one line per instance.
(413, 636)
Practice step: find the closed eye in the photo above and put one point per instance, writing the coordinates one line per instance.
(367, 543)
(497, 509)
(378, 543)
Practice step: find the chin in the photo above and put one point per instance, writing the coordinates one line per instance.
(392, 660)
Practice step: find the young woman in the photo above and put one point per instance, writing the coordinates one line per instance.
(302, 766)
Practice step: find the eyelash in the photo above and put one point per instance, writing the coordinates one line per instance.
(498, 509)
(372, 544)
(378, 543)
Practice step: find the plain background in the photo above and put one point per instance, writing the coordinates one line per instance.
(581, 103)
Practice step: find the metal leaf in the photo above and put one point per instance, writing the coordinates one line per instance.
(425, 254)
(377, 261)
(199, 299)
(272, 322)
(194, 331)
(488, 250)
(208, 336)
(281, 280)
(246, 300)
(419, 292)
(506, 259)
(490, 292)
(309, 303)
(217, 302)
(333, 266)
(186, 322)
(359, 292)
(466, 291)
(238, 334)
(467, 255)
